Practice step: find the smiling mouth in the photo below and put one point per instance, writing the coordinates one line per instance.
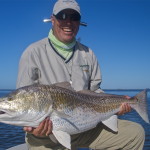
(67, 30)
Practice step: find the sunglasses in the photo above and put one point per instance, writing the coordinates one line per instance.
(64, 16)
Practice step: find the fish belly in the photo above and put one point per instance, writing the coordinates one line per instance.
(79, 121)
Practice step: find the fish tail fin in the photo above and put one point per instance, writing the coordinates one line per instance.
(141, 107)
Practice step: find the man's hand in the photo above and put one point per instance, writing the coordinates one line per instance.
(124, 108)
(44, 128)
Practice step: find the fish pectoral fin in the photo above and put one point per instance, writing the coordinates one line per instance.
(63, 138)
(65, 117)
(112, 123)
(53, 138)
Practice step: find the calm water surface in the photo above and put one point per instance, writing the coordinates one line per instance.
(13, 135)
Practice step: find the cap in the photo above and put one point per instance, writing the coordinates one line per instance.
(66, 4)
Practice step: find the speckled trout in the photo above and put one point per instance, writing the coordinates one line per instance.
(71, 112)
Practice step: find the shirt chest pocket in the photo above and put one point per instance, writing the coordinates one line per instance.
(81, 73)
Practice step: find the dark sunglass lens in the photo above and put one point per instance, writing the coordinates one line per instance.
(64, 16)
(61, 16)
(75, 17)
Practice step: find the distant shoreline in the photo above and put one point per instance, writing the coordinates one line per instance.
(126, 89)
(7, 89)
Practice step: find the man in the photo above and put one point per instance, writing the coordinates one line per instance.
(61, 58)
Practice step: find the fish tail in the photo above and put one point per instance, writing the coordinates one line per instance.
(141, 106)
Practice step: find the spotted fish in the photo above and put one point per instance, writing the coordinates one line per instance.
(71, 111)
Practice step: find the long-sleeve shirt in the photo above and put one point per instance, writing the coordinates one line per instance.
(41, 63)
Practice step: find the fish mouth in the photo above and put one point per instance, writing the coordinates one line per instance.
(2, 112)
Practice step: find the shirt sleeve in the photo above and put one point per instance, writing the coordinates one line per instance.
(28, 72)
(96, 77)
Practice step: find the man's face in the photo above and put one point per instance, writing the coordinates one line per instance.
(66, 25)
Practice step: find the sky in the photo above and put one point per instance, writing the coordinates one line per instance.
(118, 32)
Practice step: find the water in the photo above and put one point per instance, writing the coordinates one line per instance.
(12, 135)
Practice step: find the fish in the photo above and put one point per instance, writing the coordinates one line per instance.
(70, 111)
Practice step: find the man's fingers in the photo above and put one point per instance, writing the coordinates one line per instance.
(125, 108)
(47, 128)
(44, 128)
(39, 130)
(127, 97)
(49, 131)
(28, 129)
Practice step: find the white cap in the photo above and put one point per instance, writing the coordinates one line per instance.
(65, 4)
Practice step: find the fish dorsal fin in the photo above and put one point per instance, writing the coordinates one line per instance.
(86, 92)
(63, 138)
(112, 123)
(102, 94)
(65, 85)
(89, 92)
